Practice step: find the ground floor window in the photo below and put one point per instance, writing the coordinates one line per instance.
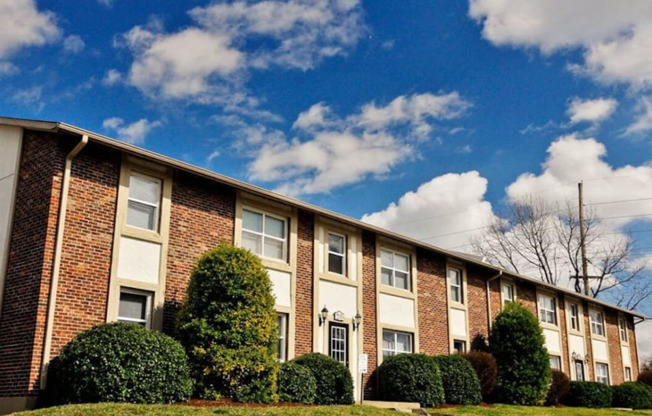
(282, 333)
(395, 342)
(628, 374)
(135, 307)
(602, 373)
(459, 346)
(555, 362)
(579, 370)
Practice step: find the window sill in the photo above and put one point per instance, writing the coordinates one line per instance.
(141, 234)
(547, 325)
(402, 293)
(336, 278)
(276, 264)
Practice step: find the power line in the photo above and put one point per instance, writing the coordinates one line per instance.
(620, 201)
(624, 216)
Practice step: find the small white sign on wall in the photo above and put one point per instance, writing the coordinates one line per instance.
(362, 363)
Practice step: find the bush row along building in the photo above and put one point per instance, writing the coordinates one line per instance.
(95, 230)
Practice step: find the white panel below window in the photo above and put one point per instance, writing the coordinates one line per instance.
(576, 344)
(281, 287)
(552, 340)
(600, 350)
(139, 260)
(458, 322)
(337, 297)
(395, 310)
(627, 358)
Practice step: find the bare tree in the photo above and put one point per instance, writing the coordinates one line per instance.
(534, 237)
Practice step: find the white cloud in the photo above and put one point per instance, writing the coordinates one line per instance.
(644, 340)
(592, 111)
(29, 96)
(439, 210)
(643, 122)
(73, 44)
(133, 133)
(8, 69)
(106, 3)
(22, 25)
(214, 155)
(340, 151)
(111, 77)
(616, 41)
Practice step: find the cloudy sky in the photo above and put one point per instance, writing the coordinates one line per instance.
(425, 117)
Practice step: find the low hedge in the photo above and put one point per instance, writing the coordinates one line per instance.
(296, 384)
(589, 394)
(645, 377)
(486, 369)
(559, 386)
(461, 385)
(119, 362)
(632, 395)
(333, 379)
(411, 378)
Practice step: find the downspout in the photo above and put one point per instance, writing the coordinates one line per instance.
(489, 317)
(54, 281)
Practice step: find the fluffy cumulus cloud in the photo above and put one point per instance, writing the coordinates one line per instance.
(23, 25)
(331, 151)
(591, 111)
(73, 44)
(446, 211)
(643, 122)
(134, 133)
(214, 55)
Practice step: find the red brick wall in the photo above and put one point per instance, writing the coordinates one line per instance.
(633, 350)
(369, 325)
(495, 298)
(305, 289)
(87, 244)
(527, 295)
(432, 303)
(615, 353)
(564, 337)
(477, 301)
(30, 264)
(588, 368)
(202, 215)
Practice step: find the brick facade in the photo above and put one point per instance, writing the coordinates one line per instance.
(433, 305)
(305, 290)
(369, 308)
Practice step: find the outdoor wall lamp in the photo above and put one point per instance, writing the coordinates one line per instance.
(356, 321)
(323, 316)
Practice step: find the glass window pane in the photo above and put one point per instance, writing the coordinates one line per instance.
(388, 340)
(273, 248)
(386, 258)
(454, 276)
(335, 243)
(274, 227)
(252, 242)
(386, 276)
(143, 189)
(401, 280)
(133, 306)
(141, 215)
(403, 342)
(455, 294)
(401, 262)
(252, 221)
(335, 263)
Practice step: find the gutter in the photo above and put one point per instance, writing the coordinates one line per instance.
(489, 317)
(54, 281)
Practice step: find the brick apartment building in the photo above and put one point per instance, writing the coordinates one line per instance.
(95, 230)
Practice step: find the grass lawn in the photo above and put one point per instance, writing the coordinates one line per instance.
(499, 410)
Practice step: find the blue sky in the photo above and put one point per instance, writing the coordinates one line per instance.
(437, 111)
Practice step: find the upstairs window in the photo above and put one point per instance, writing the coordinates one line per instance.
(455, 283)
(574, 317)
(144, 202)
(623, 329)
(336, 253)
(264, 235)
(597, 323)
(395, 269)
(548, 309)
(508, 293)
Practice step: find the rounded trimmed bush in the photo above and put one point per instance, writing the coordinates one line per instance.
(333, 379)
(632, 395)
(461, 385)
(518, 344)
(228, 326)
(486, 369)
(296, 384)
(645, 377)
(559, 386)
(411, 378)
(589, 394)
(120, 362)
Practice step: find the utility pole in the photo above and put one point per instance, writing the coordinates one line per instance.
(585, 265)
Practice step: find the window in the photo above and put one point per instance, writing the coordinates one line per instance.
(396, 343)
(282, 332)
(338, 343)
(555, 362)
(579, 370)
(336, 254)
(628, 374)
(547, 309)
(597, 323)
(455, 282)
(574, 317)
(602, 373)
(144, 202)
(459, 347)
(508, 293)
(135, 307)
(623, 329)
(264, 235)
(395, 269)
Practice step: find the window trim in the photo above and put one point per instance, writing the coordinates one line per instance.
(579, 317)
(149, 298)
(464, 346)
(396, 332)
(461, 287)
(284, 332)
(554, 311)
(286, 227)
(622, 330)
(394, 269)
(503, 300)
(628, 373)
(558, 358)
(344, 255)
(601, 324)
(158, 206)
(608, 376)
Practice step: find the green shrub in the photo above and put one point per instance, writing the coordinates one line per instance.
(296, 384)
(119, 362)
(517, 343)
(632, 395)
(486, 369)
(588, 394)
(461, 385)
(333, 379)
(228, 326)
(559, 386)
(411, 378)
(479, 343)
(645, 377)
